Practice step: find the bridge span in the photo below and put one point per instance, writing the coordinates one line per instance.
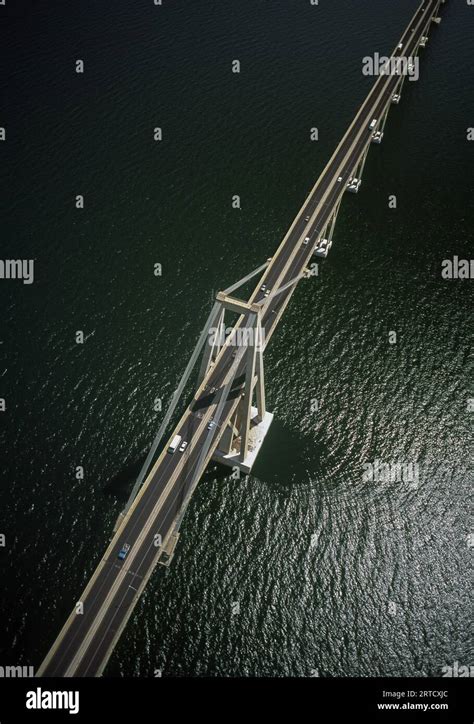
(221, 421)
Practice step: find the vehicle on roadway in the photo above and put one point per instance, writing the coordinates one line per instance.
(183, 446)
(306, 240)
(400, 46)
(267, 292)
(306, 218)
(339, 179)
(372, 124)
(263, 288)
(174, 444)
(123, 551)
(211, 425)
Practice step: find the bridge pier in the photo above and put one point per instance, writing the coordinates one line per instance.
(168, 548)
(398, 91)
(324, 244)
(353, 185)
(436, 18)
(243, 437)
(421, 44)
(355, 180)
(378, 134)
(257, 431)
(424, 36)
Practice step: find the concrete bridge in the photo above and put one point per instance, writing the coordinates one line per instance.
(227, 419)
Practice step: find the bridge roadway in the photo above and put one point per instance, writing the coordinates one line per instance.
(86, 640)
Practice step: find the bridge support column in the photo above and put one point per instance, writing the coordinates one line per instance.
(355, 180)
(424, 36)
(398, 90)
(436, 18)
(215, 340)
(421, 44)
(353, 185)
(228, 436)
(324, 244)
(260, 380)
(241, 443)
(248, 394)
(216, 325)
(378, 134)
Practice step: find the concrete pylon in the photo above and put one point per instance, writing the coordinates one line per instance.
(216, 338)
(378, 133)
(242, 439)
(324, 244)
(436, 18)
(355, 179)
(396, 97)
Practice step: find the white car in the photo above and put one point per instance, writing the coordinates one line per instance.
(306, 218)
(306, 240)
(183, 446)
(339, 179)
(211, 425)
(372, 124)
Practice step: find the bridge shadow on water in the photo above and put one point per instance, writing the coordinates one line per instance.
(280, 460)
(121, 484)
(284, 449)
(212, 397)
(285, 453)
